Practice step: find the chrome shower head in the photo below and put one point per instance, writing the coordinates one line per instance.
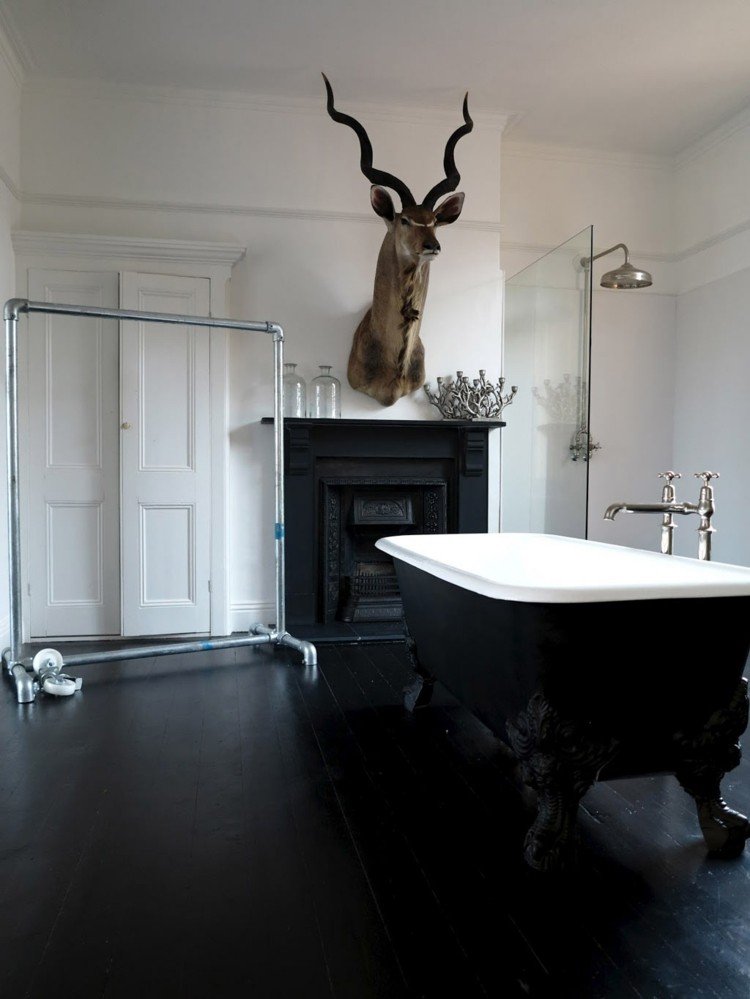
(624, 276)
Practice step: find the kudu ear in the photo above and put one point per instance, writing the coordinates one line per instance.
(449, 209)
(383, 203)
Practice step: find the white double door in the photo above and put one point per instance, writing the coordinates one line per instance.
(118, 520)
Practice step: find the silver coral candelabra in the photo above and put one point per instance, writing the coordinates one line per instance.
(461, 399)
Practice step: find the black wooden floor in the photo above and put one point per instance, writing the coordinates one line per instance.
(235, 824)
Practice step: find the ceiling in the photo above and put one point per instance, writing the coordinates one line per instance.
(648, 77)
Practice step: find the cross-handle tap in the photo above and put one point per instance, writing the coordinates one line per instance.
(706, 476)
(706, 510)
(669, 497)
(667, 493)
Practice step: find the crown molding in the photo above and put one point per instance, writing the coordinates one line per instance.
(9, 184)
(542, 249)
(516, 245)
(677, 257)
(85, 245)
(237, 100)
(572, 154)
(724, 236)
(714, 138)
(206, 208)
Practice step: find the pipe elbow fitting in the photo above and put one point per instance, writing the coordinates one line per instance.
(13, 307)
(25, 685)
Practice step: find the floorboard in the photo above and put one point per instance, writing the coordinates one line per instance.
(234, 823)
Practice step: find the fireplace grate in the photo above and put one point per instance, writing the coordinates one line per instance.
(372, 593)
(373, 579)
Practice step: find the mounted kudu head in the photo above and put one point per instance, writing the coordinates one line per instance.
(387, 356)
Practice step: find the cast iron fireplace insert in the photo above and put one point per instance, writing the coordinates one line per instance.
(349, 482)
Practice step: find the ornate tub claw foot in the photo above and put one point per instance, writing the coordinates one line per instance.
(551, 841)
(724, 830)
(559, 759)
(707, 757)
(419, 692)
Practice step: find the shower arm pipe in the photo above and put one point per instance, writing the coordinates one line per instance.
(13, 309)
(585, 261)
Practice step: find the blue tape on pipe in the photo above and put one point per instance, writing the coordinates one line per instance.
(279, 532)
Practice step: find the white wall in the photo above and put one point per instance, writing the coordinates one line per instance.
(284, 181)
(712, 408)
(10, 102)
(712, 357)
(550, 195)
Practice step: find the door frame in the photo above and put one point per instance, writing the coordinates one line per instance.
(61, 251)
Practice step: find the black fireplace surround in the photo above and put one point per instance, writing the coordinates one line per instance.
(348, 483)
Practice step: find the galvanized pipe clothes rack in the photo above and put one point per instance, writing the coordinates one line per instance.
(21, 671)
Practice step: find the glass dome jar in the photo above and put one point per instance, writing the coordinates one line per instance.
(295, 392)
(326, 395)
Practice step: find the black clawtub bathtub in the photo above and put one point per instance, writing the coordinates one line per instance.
(592, 661)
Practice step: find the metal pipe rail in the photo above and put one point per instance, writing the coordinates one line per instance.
(258, 634)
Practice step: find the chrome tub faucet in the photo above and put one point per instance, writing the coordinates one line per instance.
(705, 511)
(669, 506)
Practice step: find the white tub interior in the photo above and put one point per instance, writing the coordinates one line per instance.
(548, 568)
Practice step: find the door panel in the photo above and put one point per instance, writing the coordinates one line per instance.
(73, 477)
(165, 459)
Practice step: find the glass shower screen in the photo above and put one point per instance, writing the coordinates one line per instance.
(546, 352)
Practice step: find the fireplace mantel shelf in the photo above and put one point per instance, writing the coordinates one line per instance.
(422, 424)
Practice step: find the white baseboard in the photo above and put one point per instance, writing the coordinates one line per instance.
(243, 616)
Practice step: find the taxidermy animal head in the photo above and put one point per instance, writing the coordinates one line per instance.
(387, 355)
